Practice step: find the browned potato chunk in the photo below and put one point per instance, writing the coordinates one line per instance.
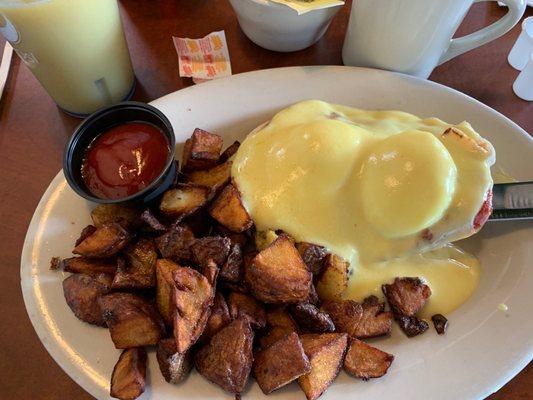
(174, 366)
(240, 238)
(280, 324)
(243, 306)
(365, 362)
(229, 152)
(325, 353)
(229, 211)
(81, 292)
(151, 221)
(213, 178)
(278, 274)
(106, 241)
(310, 319)
(176, 243)
(313, 256)
(201, 151)
(122, 213)
(333, 280)
(280, 364)
(440, 322)
(374, 321)
(165, 289)
(193, 297)
(232, 269)
(85, 233)
(210, 271)
(227, 359)
(89, 266)
(411, 326)
(406, 296)
(129, 375)
(218, 318)
(346, 314)
(210, 248)
(132, 320)
(183, 200)
(139, 270)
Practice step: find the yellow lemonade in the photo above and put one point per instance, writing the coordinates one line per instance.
(75, 48)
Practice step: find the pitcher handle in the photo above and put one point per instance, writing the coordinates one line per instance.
(489, 33)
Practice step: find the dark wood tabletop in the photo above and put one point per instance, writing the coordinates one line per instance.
(33, 133)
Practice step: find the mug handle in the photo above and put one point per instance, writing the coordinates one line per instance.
(489, 33)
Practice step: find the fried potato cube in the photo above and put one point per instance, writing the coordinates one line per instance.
(176, 243)
(132, 320)
(151, 222)
(243, 306)
(129, 375)
(279, 324)
(313, 295)
(411, 325)
(122, 213)
(280, 364)
(218, 319)
(139, 270)
(106, 241)
(326, 353)
(81, 293)
(229, 152)
(210, 248)
(213, 178)
(232, 269)
(226, 359)
(85, 233)
(55, 263)
(374, 321)
(165, 289)
(313, 256)
(346, 314)
(333, 280)
(89, 266)
(193, 298)
(406, 296)
(278, 274)
(174, 366)
(310, 319)
(201, 151)
(236, 238)
(440, 322)
(229, 211)
(183, 200)
(365, 362)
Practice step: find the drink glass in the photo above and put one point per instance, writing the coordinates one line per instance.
(75, 48)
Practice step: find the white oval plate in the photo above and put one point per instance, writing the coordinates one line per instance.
(484, 347)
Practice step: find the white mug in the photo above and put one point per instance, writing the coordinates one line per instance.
(414, 36)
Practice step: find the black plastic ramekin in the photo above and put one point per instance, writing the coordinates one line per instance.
(100, 122)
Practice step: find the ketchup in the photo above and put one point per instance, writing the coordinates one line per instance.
(124, 160)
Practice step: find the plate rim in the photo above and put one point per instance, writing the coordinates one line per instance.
(26, 277)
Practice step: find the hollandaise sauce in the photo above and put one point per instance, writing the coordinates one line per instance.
(386, 190)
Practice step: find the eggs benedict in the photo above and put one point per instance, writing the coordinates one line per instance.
(385, 190)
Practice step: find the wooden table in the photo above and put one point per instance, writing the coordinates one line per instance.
(33, 133)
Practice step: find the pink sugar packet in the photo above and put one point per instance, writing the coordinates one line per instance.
(203, 59)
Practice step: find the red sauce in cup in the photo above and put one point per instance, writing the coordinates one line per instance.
(124, 160)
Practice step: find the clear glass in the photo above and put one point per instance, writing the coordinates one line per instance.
(75, 48)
